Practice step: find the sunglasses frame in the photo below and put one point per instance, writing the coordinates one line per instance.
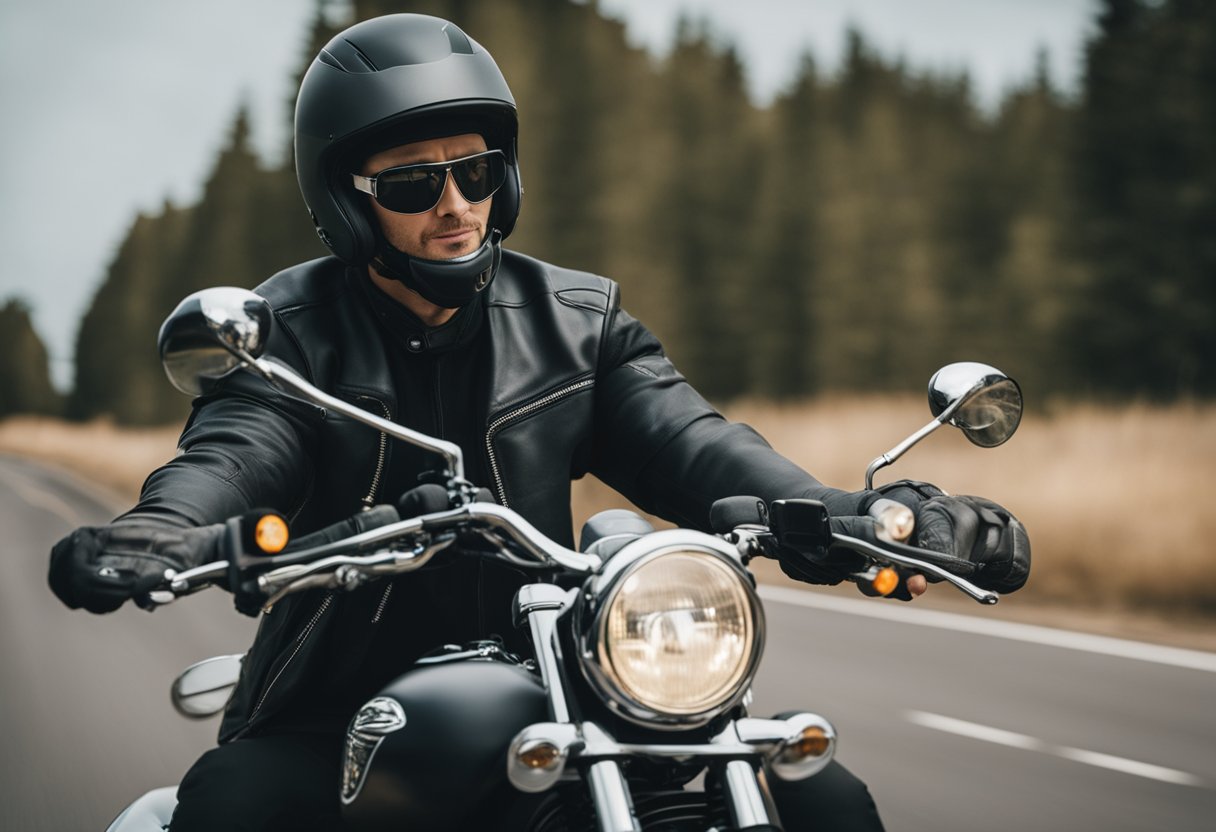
(369, 184)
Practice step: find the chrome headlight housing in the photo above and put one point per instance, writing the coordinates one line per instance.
(671, 631)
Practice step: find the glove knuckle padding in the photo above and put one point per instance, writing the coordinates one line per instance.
(910, 493)
(985, 535)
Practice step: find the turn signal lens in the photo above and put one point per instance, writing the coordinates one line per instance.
(813, 742)
(810, 746)
(270, 534)
(539, 755)
(885, 581)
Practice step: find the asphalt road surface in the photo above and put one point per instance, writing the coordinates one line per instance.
(956, 723)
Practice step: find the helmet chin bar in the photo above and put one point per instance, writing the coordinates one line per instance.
(449, 284)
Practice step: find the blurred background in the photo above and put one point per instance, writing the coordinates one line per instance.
(813, 204)
(799, 208)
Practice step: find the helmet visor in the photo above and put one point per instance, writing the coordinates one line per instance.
(416, 189)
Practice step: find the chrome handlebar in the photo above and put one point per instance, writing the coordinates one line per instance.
(397, 548)
(408, 545)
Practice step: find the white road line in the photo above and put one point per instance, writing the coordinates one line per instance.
(40, 498)
(975, 625)
(986, 733)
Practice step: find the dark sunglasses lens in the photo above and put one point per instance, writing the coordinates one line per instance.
(410, 190)
(478, 178)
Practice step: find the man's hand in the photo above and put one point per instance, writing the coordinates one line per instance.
(100, 567)
(990, 544)
(975, 538)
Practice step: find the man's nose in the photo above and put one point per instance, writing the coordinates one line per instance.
(451, 202)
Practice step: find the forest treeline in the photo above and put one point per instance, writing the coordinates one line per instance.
(861, 230)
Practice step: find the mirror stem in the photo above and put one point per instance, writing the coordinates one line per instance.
(899, 450)
(284, 378)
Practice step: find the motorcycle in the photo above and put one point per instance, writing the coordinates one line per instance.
(631, 713)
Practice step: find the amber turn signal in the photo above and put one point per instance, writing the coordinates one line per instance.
(270, 534)
(813, 742)
(885, 581)
(540, 755)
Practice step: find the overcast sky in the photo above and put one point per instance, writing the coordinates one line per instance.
(113, 107)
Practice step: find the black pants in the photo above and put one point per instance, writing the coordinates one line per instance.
(290, 781)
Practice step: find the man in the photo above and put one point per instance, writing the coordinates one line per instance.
(406, 156)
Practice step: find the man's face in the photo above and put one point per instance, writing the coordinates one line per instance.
(452, 228)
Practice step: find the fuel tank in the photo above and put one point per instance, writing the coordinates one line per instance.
(429, 751)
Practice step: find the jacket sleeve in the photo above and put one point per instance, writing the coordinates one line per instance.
(668, 450)
(244, 446)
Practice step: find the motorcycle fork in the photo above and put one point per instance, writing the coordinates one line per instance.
(541, 605)
(748, 802)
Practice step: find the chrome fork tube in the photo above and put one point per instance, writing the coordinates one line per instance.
(610, 796)
(748, 809)
(540, 605)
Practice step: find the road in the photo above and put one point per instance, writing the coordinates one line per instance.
(955, 722)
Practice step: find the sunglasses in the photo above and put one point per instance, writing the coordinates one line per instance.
(416, 189)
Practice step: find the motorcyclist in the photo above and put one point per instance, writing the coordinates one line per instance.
(406, 154)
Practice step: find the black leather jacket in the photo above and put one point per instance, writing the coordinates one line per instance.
(576, 386)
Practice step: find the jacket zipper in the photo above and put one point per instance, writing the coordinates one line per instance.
(370, 499)
(388, 590)
(300, 639)
(503, 420)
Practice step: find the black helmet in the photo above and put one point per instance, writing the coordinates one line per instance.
(389, 81)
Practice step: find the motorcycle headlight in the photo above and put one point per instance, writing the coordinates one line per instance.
(677, 630)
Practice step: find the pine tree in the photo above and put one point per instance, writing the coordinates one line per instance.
(25, 381)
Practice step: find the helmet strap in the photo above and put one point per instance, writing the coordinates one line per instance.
(448, 284)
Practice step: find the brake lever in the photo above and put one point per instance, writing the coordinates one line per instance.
(883, 553)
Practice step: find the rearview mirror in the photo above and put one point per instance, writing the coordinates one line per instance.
(981, 401)
(203, 689)
(210, 334)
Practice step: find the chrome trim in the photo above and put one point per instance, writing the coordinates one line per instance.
(599, 593)
(749, 738)
(542, 604)
(803, 767)
(203, 689)
(502, 421)
(377, 719)
(563, 736)
(544, 552)
(747, 807)
(364, 184)
(610, 795)
(865, 547)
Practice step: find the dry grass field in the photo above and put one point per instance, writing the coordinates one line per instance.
(1115, 498)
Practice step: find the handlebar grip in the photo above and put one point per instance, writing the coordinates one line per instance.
(730, 513)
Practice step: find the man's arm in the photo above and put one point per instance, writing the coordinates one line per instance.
(245, 446)
(668, 450)
(238, 451)
(663, 446)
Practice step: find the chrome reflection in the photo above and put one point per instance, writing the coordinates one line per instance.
(374, 721)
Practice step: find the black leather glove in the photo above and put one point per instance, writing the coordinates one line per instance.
(978, 539)
(100, 567)
(975, 538)
(989, 546)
